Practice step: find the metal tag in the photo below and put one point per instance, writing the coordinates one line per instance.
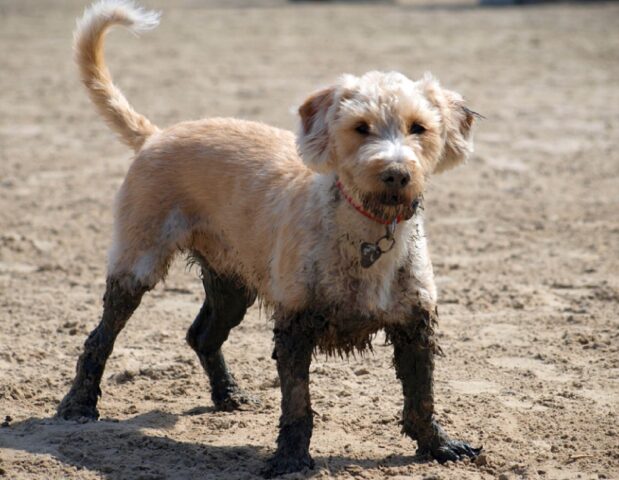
(370, 252)
(391, 229)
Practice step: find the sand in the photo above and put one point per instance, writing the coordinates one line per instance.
(524, 238)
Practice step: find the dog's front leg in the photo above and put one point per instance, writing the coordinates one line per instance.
(294, 343)
(414, 350)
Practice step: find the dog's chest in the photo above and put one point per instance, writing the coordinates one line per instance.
(387, 288)
(317, 263)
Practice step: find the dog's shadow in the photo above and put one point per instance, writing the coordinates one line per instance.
(121, 450)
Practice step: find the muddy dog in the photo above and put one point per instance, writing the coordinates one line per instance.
(326, 229)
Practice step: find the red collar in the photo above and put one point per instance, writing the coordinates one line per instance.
(363, 212)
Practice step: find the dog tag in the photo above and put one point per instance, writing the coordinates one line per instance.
(391, 229)
(370, 252)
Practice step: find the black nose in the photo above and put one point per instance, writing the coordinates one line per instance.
(395, 178)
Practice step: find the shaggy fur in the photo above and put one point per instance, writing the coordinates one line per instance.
(261, 210)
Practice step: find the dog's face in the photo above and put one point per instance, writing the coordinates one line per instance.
(383, 134)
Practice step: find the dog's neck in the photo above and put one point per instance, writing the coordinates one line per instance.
(341, 234)
(351, 229)
(357, 206)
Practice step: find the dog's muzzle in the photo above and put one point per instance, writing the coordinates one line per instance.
(395, 180)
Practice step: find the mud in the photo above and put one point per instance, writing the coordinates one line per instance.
(226, 302)
(295, 340)
(122, 297)
(415, 346)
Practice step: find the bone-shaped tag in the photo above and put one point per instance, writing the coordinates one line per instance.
(370, 252)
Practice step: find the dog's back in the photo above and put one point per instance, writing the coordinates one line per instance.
(232, 190)
(199, 185)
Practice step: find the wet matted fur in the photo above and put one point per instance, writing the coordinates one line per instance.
(284, 219)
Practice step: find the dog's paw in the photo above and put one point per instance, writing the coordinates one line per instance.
(283, 464)
(70, 409)
(451, 450)
(235, 400)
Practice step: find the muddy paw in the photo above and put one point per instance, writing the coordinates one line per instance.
(235, 400)
(452, 450)
(283, 464)
(71, 409)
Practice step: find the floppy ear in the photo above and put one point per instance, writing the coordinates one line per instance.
(313, 140)
(458, 133)
(457, 122)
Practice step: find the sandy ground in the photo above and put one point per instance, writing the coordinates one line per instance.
(525, 242)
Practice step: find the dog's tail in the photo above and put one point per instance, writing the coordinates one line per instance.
(132, 127)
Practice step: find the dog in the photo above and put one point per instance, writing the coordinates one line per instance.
(325, 228)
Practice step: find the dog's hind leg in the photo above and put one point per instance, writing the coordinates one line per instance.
(224, 307)
(122, 296)
(148, 230)
(414, 349)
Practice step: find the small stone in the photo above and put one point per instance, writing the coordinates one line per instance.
(353, 469)
(503, 476)
(123, 377)
(7, 421)
(389, 471)
(481, 460)
(361, 371)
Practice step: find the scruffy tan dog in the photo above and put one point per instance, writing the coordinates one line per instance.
(325, 228)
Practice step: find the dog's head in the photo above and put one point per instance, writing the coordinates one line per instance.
(383, 134)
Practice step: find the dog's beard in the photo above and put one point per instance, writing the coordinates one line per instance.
(380, 205)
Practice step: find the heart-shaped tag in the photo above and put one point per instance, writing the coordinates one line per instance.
(370, 252)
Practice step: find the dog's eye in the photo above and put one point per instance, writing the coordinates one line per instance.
(362, 128)
(416, 129)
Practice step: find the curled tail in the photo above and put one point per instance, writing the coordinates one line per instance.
(132, 127)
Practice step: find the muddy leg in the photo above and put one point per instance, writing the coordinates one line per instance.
(414, 350)
(122, 297)
(224, 307)
(294, 344)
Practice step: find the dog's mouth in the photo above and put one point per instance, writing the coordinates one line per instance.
(391, 199)
(389, 205)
